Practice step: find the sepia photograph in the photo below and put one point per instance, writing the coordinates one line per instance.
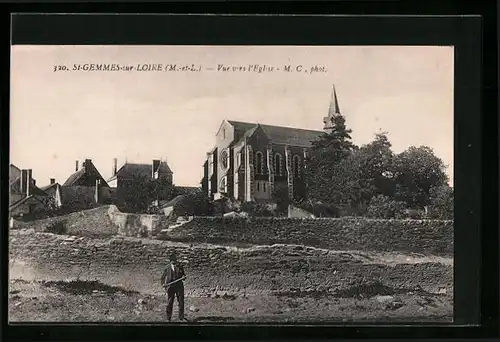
(231, 184)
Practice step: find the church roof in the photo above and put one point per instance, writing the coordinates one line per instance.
(279, 134)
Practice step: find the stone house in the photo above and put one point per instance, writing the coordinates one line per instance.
(123, 178)
(84, 189)
(250, 160)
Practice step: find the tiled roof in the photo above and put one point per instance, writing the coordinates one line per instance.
(92, 171)
(280, 135)
(74, 177)
(144, 170)
(21, 201)
(15, 186)
(47, 187)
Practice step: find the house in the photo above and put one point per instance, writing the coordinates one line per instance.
(53, 190)
(129, 176)
(87, 175)
(249, 160)
(25, 198)
(84, 189)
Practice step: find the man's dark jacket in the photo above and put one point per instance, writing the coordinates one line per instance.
(169, 275)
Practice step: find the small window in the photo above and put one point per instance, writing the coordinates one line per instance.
(223, 133)
(258, 186)
(264, 185)
(277, 164)
(259, 163)
(296, 166)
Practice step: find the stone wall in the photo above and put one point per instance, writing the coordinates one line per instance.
(137, 264)
(137, 225)
(415, 236)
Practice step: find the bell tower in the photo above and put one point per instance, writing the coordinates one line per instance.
(333, 111)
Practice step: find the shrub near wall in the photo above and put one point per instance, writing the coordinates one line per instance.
(417, 236)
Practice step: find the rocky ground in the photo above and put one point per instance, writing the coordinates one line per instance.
(79, 301)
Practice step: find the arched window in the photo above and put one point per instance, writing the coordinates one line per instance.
(223, 184)
(296, 166)
(277, 164)
(259, 167)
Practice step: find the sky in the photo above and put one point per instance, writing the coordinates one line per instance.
(63, 116)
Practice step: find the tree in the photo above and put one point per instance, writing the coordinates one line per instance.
(415, 171)
(441, 202)
(323, 161)
(365, 173)
(194, 204)
(280, 195)
(384, 207)
(137, 194)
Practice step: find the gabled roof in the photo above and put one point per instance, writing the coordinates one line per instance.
(23, 200)
(47, 187)
(83, 171)
(72, 179)
(279, 134)
(141, 170)
(15, 186)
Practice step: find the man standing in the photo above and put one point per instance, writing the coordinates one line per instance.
(171, 280)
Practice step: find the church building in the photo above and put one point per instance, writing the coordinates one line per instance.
(250, 159)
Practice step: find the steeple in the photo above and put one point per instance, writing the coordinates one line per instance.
(333, 111)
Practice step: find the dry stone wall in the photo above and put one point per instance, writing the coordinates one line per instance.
(137, 225)
(416, 236)
(137, 264)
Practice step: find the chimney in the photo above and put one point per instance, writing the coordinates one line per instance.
(76, 167)
(155, 167)
(22, 181)
(115, 163)
(52, 181)
(97, 183)
(87, 163)
(28, 181)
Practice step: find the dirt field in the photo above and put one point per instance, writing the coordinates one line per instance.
(95, 302)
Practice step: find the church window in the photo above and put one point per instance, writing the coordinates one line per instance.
(259, 163)
(223, 184)
(258, 186)
(264, 187)
(277, 164)
(224, 159)
(296, 166)
(238, 159)
(223, 133)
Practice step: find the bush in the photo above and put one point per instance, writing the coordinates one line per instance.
(256, 209)
(384, 207)
(194, 204)
(319, 209)
(58, 227)
(442, 202)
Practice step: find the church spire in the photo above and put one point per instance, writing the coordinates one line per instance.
(333, 110)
